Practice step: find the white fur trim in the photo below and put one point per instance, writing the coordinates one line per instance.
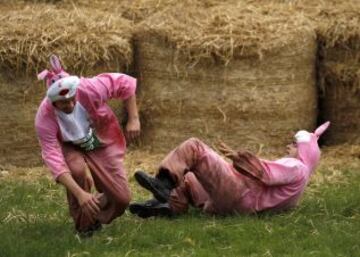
(75, 126)
(303, 136)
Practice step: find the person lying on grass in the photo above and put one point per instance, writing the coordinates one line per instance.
(195, 174)
(78, 132)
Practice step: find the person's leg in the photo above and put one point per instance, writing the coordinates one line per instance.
(150, 208)
(171, 171)
(160, 188)
(224, 186)
(106, 166)
(76, 163)
(190, 192)
(217, 177)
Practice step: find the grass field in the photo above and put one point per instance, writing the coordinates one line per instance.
(34, 221)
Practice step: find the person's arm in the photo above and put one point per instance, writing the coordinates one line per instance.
(249, 165)
(119, 86)
(87, 201)
(132, 129)
(51, 152)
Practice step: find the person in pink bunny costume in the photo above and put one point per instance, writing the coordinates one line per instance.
(194, 174)
(82, 143)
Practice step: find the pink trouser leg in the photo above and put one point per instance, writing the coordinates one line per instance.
(224, 188)
(109, 177)
(77, 166)
(188, 192)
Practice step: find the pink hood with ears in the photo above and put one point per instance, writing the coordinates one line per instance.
(308, 148)
(53, 75)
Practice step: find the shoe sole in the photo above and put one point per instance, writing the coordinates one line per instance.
(147, 212)
(90, 232)
(141, 179)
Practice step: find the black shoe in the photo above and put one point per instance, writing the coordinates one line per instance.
(160, 191)
(86, 233)
(150, 208)
(96, 226)
(89, 231)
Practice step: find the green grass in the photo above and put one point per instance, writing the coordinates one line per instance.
(34, 221)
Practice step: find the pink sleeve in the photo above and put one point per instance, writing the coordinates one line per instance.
(111, 85)
(46, 129)
(268, 172)
(283, 174)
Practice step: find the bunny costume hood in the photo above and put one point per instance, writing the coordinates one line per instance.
(308, 156)
(308, 148)
(60, 84)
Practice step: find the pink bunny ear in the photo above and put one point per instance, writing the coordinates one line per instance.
(55, 63)
(321, 129)
(42, 75)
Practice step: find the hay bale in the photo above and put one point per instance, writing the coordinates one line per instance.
(135, 10)
(243, 74)
(85, 38)
(340, 98)
(336, 24)
(132, 10)
(18, 105)
(339, 71)
(140, 10)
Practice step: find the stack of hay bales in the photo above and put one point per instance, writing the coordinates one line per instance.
(88, 41)
(85, 39)
(337, 27)
(339, 72)
(336, 23)
(18, 105)
(239, 73)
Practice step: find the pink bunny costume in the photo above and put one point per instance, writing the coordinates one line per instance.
(248, 185)
(89, 137)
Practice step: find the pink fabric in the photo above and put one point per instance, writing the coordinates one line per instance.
(284, 181)
(57, 72)
(190, 192)
(308, 150)
(92, 93)
(278, 187)
(107, 170)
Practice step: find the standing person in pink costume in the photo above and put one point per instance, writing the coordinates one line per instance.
(82, 143)
(195, 174)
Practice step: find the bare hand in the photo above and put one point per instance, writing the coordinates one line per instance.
(132, 129)
(227, 151)
(89, 204)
